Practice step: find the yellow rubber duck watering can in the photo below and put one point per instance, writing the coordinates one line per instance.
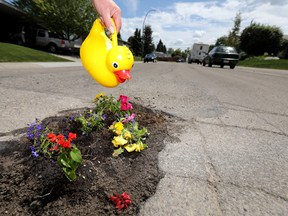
(108, 63)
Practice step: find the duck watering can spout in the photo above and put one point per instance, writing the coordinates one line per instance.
(108, 63)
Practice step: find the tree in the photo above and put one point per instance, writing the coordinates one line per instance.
(222, 41)
(170, 51)
(257, 39)
(284, 49)
(68, 17)
(149, 47)
(177, 53)
(233, 36)
(161, 47)
(135, 43)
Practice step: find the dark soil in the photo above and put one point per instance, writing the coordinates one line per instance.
(34, 186)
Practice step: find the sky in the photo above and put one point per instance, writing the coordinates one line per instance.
(179, 24)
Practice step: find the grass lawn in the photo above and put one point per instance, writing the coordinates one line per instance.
(260, 62)
(15, 53)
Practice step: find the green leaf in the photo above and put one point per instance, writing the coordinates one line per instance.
(63, 161)
(117, 152)
(75, 154)
(70, 174)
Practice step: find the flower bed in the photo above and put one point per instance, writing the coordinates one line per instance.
(35, 186)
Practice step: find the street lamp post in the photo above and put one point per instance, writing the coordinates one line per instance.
(151, 10)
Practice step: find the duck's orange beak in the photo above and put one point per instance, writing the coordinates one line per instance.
(122, 75)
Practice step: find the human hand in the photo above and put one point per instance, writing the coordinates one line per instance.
(108, 9)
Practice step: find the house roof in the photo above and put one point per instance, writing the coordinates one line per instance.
(8, 10)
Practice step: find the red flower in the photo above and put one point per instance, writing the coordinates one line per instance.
(123, 99)
(51, 137)
(64, 143)
(121, 201)
(71, 136)
(54, 148)
(61, 141)
(125, 105)
(60, 137)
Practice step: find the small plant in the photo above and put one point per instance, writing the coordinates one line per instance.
(56, 147)
(121, 201)
(129, 136)
(68, 155)
(106, 108)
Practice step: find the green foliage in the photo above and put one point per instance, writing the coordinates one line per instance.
(161, 47)
(284, 50)
(177, 52)
(68, 17)
(148, 40)
(135, 43)
(222, 41)
(69, 162)
(170, 51)
(55, 147)
(15, 53)
(129, 136)
(90, 121)
(260, 62)
(233, 38)
(105, 106)
(257, 39)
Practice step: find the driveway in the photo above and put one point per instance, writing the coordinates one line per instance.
(227, 154)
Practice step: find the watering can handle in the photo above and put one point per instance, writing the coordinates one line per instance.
(114, 35)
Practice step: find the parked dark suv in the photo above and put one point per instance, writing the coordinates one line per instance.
(150, 57)
(222, 55)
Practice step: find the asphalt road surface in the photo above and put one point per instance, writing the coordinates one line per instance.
(228, 154)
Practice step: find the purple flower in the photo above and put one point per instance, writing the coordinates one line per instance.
(30, 135)
(39, 127)
(129, 118)
(33, 151)
(34, 154)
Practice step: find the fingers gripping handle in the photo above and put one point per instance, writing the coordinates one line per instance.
(114, 35)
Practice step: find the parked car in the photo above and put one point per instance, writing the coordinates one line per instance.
(52, 41)
(222, 55)
(180, 60)
(150, 57)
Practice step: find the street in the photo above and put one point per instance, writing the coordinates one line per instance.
(227, 154)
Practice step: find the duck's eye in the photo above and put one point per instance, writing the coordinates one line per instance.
(115, 64)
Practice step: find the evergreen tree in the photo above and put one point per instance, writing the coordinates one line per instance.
(161, 47)
(135, 43)
(149, 47)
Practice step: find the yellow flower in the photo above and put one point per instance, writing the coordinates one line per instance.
(139, 146)
(99, 96)
(127, 134)
(130, 147)
(119, 141)
(111, 127)
(118, 127)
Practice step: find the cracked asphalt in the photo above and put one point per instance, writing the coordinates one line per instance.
(227, 153)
